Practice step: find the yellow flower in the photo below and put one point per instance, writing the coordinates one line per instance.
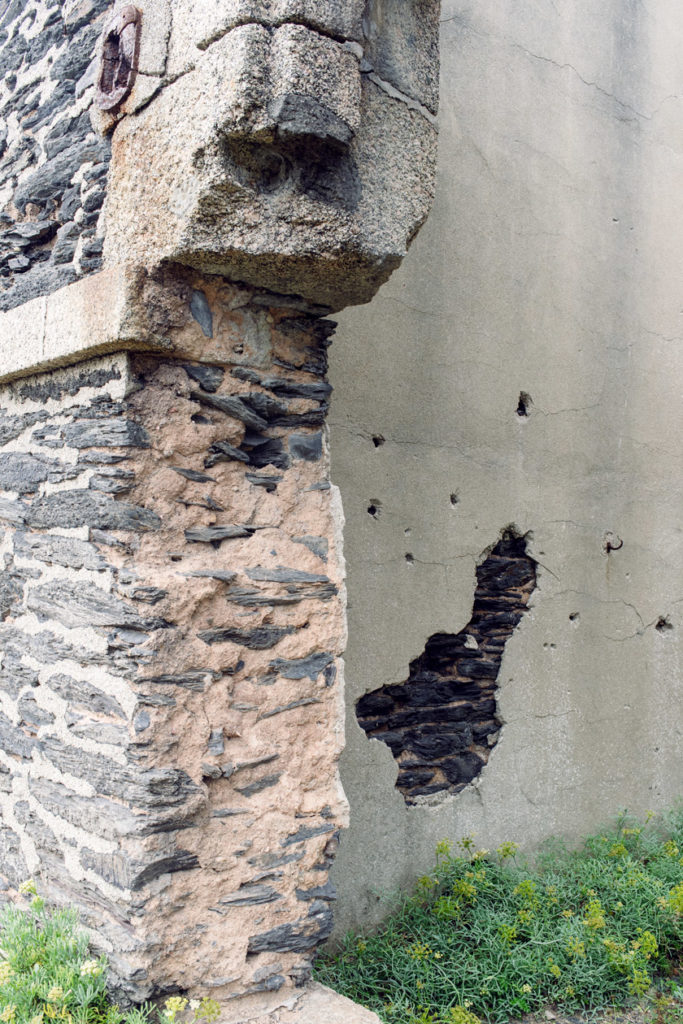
(90, 968)
(526, 989)
(9, 1013)
(506, 850)
(567, 913)
(555, 970)
(6, 972)
(174, 1006)
(56, 994)
(28, 888)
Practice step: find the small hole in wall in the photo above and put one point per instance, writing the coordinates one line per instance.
(663, 624)
(524, 404)
(455, 499)
(378, 440)
(410, 559)
(574, 617)
(374, 508)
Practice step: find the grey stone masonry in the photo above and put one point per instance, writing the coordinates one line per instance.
(169, 649)
(53, 167)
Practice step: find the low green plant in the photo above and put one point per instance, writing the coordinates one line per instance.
(48, 977)
(487, 936)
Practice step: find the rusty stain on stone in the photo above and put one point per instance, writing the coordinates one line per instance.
(119, 60)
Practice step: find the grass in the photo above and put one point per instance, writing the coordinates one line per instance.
(47, 975)
(486, 936)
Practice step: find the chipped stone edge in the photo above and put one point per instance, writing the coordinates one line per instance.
(96, 315)
(316, 1004)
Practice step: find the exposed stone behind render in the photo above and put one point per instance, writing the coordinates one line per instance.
(172, 618)
(442, 723)
(53, 167)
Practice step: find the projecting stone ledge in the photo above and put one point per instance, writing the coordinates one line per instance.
(315, 1005)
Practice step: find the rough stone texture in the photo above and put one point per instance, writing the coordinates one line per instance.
(53, 167)
(170, 684)
(296, 167)
(441, 724)
(549, 268)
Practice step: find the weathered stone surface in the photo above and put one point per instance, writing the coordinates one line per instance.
(335, 173)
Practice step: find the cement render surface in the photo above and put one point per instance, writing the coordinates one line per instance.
(550, 265)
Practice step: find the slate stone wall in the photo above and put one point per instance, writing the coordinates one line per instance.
(53, 167)
(442, 723)
(171, 608)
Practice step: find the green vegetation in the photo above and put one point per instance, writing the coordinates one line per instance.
(46, 974)
(487, 936)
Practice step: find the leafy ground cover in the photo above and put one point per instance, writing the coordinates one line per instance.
(486, 936)
(47, 975)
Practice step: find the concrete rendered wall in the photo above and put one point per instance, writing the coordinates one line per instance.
(550, 266)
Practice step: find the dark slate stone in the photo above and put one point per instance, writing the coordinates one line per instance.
(462, 769)
(297, 937)
(318, 545)
(327, 892)
(70, 383)
(201, 311)
(116, 433)
(34, 826)
(440, 744)
(79, 693)
(32, 714)
(84, 604)
(196, 681)
(12, 426)
(147, 595)
(265, 452)
(12, 864)
(260, 639)
(249, 896)
(124, 873)
(308, 447)
(89, 508)
(223, 575)
(267, 782)
(307, 832)
(14, 741)
(282, 574)
(269, 483)
(316, 390)
(50, 180)
(13, 511)
(299, 668)
(221, 451)
(11, 591)
(216, 534)
(158, 788)
(232, 405)
(106, 818)
(194, 475)
(112, 480)
(57, 550)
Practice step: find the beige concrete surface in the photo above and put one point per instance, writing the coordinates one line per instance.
(550, 265)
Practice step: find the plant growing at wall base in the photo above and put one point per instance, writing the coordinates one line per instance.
(47, 975)
(487, 936)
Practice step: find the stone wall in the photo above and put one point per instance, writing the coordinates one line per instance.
(53, 167)
(172, 619)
